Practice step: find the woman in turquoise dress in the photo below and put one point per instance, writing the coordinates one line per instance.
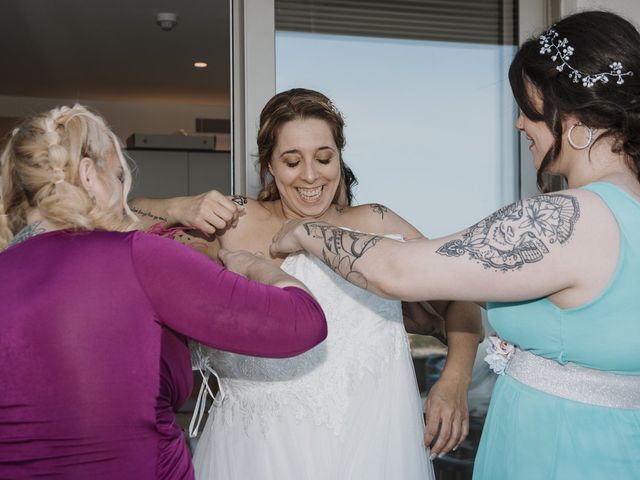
(560, 271)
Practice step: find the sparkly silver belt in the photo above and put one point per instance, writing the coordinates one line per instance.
(574, 382)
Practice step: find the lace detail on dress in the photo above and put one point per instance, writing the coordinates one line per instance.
(365, 333)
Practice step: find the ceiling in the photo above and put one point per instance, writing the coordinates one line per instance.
(114, 50)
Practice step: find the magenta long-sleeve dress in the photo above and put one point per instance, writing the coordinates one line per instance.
(93, 353)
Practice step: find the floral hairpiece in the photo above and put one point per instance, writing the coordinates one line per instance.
(561, 51)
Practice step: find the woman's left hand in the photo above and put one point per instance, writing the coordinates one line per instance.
(447, 414)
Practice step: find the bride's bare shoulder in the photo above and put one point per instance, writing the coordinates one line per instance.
(257, 223)
(376, 218)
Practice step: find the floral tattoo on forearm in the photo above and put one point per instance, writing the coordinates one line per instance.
(342, 249)
(519, 233)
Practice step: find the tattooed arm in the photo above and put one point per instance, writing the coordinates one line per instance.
(340, 249)
(532, 248)
(207, 212)
(148, 213)
(419, 317)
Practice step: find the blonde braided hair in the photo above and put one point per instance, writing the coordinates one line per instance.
(39, 169)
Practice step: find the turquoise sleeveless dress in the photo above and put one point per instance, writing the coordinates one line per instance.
(529, 434)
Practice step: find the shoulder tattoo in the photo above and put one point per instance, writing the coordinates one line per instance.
(379, 209)
(519, 233)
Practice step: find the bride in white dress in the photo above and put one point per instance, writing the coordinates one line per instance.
(349, 408)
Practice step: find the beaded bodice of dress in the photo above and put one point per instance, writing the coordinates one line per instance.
(365, 333)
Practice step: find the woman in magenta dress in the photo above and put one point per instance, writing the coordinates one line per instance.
(93, 354)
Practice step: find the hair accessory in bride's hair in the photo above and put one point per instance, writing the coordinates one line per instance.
(561, 52)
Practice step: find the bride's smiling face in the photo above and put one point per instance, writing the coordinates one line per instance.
(306, 167)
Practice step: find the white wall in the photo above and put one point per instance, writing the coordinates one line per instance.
(128, 117)
(630, 9)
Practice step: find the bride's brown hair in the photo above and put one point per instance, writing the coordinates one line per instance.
(300, 104)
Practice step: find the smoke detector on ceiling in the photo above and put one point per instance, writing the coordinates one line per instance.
(167, 20)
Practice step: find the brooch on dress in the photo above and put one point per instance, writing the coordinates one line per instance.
(499, 353)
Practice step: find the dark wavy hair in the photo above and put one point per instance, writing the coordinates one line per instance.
(598, 39)
(300, 104)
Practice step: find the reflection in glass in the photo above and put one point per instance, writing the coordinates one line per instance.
(429, 124)
(423, 86)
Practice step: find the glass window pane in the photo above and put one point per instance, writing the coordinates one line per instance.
(429, 114)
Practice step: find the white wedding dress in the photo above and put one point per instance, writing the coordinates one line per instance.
(348, 409)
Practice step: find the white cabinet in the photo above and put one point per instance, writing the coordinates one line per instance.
(166, 173)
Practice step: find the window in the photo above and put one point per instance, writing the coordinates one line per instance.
(423, 87)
